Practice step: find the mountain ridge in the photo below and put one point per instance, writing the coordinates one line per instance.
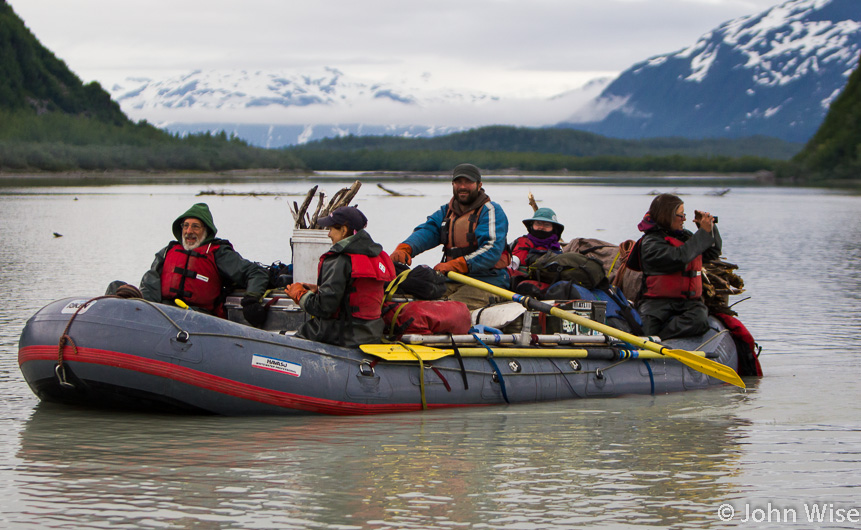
(800, 47)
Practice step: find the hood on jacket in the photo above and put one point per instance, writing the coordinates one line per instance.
(358, 243)
(198, 211)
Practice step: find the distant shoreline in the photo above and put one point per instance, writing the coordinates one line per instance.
(118, 177)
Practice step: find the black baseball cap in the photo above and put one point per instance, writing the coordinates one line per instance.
(348, 216)
(467, 171)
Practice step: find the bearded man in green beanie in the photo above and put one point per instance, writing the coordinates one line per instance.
(197, 266)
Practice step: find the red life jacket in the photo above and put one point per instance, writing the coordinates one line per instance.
(457, 235)
(526, 249)
(192, 276)
(367, 283)
(686, 284)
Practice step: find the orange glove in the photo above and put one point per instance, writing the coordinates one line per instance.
(295, 291)
(311, 287)
(455, 265)
(403, 254)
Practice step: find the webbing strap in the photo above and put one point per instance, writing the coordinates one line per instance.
(459, 361)
(421, 373)
(495, 368)
(395, 318)
(610, 271)
(651, 376)
(393, 285)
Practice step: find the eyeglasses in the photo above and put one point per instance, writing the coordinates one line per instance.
(192, 226)
(681, 216)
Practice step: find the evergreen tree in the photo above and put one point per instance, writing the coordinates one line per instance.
(835, 149)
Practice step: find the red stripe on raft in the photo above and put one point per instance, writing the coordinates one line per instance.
(214, 383)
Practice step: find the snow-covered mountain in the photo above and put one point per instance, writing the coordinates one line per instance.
(206, 91)
(774, 74)
(273, 109)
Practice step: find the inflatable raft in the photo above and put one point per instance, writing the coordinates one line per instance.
(132, 354)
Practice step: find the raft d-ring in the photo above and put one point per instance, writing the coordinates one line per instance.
(182, 336)
(599, 374)
(514, 366)
(60, 372)
(366, 369)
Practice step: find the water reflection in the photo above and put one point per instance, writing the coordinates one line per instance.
(639, 460)
(635, 461)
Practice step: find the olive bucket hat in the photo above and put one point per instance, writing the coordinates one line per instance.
(548, 216)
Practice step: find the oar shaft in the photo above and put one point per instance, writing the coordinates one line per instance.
(531, 303)
(706, 366)
(564, 353)
(506, 338)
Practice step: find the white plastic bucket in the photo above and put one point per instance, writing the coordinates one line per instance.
(307, 246)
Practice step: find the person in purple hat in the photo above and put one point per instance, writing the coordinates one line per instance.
(351, 278)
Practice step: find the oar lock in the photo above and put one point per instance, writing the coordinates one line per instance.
(513, 365)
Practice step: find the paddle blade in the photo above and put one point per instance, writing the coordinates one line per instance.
(706, 366)
(400, 352)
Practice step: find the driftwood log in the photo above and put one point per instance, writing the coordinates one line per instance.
(532, 202)
(342, 197)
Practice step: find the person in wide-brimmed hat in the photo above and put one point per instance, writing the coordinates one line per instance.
(543, 235)
(346, 301)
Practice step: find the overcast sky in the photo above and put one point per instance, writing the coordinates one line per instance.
(505, 47)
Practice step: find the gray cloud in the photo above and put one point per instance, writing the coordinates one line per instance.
(449, 39)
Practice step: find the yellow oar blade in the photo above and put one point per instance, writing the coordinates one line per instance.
(400, 352)
(706, 366)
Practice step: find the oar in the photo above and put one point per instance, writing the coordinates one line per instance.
(414, 352)
(700, 364)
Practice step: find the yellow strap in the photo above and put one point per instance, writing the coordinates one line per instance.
(395, 319)
(421, 374)
(614, 263)
(393, 285)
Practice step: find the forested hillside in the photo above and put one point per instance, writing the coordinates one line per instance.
(834, 152)
(544, 150)
(50, 120)
(33, 79)
(562, 141)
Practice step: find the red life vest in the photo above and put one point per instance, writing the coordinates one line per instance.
(686, 284)
(367, 283)
(192, 276)
(527, 251)
(457, 235)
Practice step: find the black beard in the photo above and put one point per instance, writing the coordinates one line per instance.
(469, 199)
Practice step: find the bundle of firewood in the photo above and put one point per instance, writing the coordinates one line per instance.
(342, 198)
(719, 283)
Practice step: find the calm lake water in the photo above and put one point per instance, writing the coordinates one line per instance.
(786, 453)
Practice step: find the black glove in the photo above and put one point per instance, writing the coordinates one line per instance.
(253, 311)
